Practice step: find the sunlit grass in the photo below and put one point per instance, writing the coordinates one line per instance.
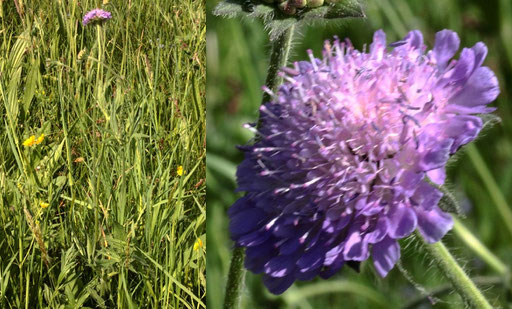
(95, 125)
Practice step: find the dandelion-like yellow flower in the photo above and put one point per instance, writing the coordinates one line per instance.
(40, 139)
(29, 141)
(43, 204)
(198, 244)
(179, 171)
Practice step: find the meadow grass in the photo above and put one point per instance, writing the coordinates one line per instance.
(481, 178)
(97, 215)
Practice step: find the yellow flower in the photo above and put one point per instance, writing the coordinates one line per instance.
(81, 54)
(79, 160)
(198, 244)
(29, 141)
(179, 171)
(43, 204)
(40, 139)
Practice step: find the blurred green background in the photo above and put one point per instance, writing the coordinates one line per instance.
(237, 57)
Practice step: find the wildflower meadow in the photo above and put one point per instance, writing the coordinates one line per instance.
(359, 163)
(102, 154)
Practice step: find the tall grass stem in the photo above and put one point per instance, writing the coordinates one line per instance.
(479, 249)
(492, 187)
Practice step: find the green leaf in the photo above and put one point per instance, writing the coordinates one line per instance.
(277, 22)
(30, 86)
(296, 296)
(235, 8)
(227, 9)
(343, 9)
(49, 164)
(277, 27)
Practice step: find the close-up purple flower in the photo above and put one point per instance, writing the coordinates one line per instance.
(96, 15)
(348, 151)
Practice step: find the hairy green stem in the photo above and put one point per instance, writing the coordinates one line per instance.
(453, 272)
(479, 249)
(278, 59)
(235, 279)
(99, 72)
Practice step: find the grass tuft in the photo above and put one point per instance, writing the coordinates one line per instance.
(95, 214)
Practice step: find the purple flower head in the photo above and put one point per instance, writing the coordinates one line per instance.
(96, 15)
(339, 170)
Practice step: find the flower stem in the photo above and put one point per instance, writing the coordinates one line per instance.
(278, 59)
(235, 279)
(453, 272)
(99, 72)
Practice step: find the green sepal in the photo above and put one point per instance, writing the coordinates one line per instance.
(448, 203)
(489, 120)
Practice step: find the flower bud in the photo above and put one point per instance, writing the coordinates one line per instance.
(315, 3)
(299, 3)
(287, 8)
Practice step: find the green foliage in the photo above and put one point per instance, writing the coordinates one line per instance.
(277, 22)
(95, 215)
(238, 55)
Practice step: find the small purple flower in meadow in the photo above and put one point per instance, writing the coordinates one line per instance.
(96, 15)
(340, 167)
